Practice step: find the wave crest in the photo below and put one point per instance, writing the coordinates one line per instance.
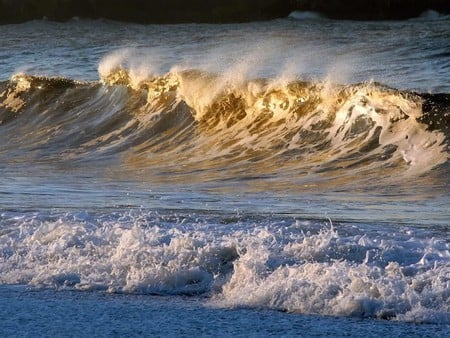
(201, 117)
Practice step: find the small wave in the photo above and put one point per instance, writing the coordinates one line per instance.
(432, 15)
(306, 15)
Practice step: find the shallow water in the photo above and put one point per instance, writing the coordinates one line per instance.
(60, 314)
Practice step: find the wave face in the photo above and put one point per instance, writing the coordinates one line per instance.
(192, 120)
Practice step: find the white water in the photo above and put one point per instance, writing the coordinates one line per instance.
(284, 264)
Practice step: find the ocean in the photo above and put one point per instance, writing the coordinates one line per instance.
(279, 178)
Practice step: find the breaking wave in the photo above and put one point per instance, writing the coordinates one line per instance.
(202, 120)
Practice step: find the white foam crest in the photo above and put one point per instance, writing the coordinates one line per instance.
(199, 91)
(10, 98)
(219, 69)
(220, 78)
(397, 117)
(113, 61)
(129, 66)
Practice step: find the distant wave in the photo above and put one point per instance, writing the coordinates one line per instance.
(206, 120)
(432, 15)
(306, 15)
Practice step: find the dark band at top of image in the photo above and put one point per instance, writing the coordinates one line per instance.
(213, 11)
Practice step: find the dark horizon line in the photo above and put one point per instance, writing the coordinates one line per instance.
(212, 11)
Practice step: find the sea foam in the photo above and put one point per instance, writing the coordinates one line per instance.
(288, 265)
